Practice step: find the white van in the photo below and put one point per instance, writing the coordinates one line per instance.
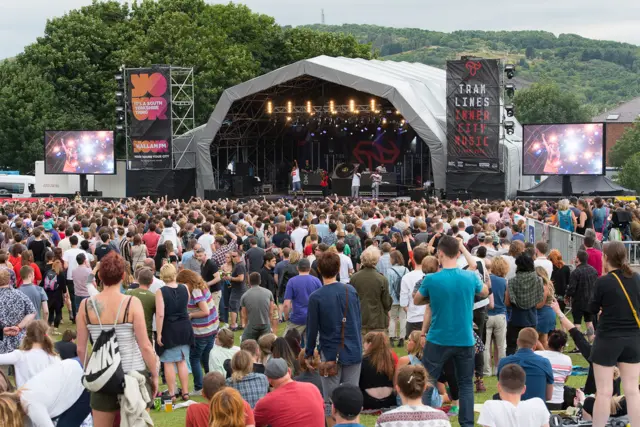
(17, 186)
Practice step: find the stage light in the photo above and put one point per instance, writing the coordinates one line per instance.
(119, 94)
(119, 109)
(119, 127)
(510, 109)
(309, 110)
(510, 89)
(118, 77)
(402, 122)
(352, 105)
(288, 118)
(510, 70)
(384, 120)
(509, 126)
(289, 107)
(397, 112)
(332, 107)
(373, 105)
(269, 107)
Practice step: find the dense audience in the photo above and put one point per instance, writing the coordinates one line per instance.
(161, 290)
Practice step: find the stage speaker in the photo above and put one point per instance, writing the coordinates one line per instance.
(242, 186)
(243, 169)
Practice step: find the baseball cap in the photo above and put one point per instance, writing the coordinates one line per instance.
(47, 214)
(276, 368)
(481, 236)
(347, 399)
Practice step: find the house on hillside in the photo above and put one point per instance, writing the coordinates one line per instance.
(617, 120)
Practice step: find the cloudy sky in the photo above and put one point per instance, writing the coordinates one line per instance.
(22, 21)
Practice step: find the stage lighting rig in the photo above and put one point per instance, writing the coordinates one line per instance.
(510, 70)
(510, 109)
(510, 89)
(509, 127)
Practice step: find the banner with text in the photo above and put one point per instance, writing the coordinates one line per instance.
(473, 115)
(150, 101)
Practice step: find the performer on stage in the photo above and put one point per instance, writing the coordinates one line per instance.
(295, 179)
(376, 179)
(553, 156)
(355, 183)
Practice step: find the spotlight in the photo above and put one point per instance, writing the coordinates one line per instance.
(510, 69)
(510, 109)
(119, 127)
(373, 105)
(121, 117)
(510, 89)
(118, 77)
(332, 107)
(288, 118)
(352, 105)
(119, 94)
(269, 107)
(509, 126)
(289, 107)
(384, 120)
(402, 122)
(309, 110)
(119, 109)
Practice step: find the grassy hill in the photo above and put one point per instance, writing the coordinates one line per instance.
(602, 73)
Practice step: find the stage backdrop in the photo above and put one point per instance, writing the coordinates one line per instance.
(150, 101)
(473, 115)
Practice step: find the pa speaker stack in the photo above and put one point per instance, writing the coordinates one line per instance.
(242, 186)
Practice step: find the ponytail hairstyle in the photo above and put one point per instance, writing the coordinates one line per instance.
(241, 365)
(12, 414)
(412, 381)
(37, 334)
(616, 254)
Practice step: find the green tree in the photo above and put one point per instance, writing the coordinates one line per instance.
(626, 147)
(65, 79)
(530, 52)
(547, 103)
(629, 175)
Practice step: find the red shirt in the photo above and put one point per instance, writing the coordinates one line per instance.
(595, 259)
(198, 415)
(150, 239)
(36, 273)
(283, 407)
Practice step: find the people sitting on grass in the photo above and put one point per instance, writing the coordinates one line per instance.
(198, 414)
(512, 409)
(411, 384)
(540, 378)
(251, 386)
(291, 403)
(222, 350)
(36, 353)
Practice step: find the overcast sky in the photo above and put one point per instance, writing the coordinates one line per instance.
(22, 21)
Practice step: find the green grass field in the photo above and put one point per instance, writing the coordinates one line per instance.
(177, 417)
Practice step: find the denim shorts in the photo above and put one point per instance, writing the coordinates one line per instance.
(297, 186)
(175, 354)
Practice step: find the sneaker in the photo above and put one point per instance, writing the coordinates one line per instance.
(454, 411)
(401, 343)
(480, 388)
(574, 351)
(197, 393)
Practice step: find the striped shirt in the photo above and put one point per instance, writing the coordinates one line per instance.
(413, 416)
(127, 345)
(203, 326)
(561, 365)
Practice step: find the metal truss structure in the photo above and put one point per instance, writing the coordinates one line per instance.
(182, 93)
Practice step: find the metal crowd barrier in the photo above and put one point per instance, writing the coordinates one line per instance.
(569, 243)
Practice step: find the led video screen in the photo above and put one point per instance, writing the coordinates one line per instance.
(79, 152)
(563, 149)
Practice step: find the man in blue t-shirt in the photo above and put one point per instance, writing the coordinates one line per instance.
(450, 294)
(299, 288)
(539, 379)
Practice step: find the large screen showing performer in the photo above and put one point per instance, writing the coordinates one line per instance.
(79, 152)
(564, 149)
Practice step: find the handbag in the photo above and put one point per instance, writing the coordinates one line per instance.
(330, 368)
(633, 310)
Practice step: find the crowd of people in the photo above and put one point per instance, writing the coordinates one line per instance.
(159, 290)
